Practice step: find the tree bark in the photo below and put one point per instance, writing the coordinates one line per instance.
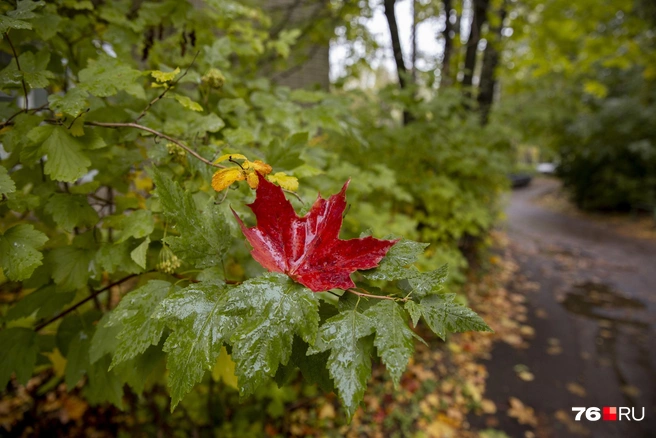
(401, 69)
(488, 70)
(479, 17)
(414, 41)
(445, 71)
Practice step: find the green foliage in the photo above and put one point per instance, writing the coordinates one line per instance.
(607, 153)
(580, 86)
(131, 268)
(20, 349)
(19, 254)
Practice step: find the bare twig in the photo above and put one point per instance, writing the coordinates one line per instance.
(93, 296)
(166, 89)
(156, 134)
(13, 49)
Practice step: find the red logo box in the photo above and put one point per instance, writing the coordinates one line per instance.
(609, 413)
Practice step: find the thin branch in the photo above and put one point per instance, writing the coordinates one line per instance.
(93, 296)
(156, 134)
(33, 110)
(379, 297)
(78, 116)
(13, 49)
(166, 89)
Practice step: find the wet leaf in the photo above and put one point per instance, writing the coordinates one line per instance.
(274, 309)
(308, 249)
(349, 363)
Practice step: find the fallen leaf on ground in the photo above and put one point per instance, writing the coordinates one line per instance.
(576, 389)
(522, 413)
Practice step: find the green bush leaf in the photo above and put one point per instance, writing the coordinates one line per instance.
(139, 254)
(19, 255)
(66, 159)
(106, 76)
(45, 302)
(19, 351)
(204, 237)
(70, 211)
(7, 185)
(445, 316)
(70, 266)
(349, 363)
(72, 103)
(138, 224)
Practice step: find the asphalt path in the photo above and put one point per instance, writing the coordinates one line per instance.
(593, 307)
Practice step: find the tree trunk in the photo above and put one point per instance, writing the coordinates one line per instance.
(445, 72)
(479, 17)
(490, 62)
(414, 41)
(401, 69)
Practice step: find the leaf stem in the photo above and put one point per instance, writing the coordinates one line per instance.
(295, 195)
(93, 296)
(379, 297)
(156, 134)
(166, 89)
(13, 49)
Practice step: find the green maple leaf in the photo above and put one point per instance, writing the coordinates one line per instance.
(394, 339)
(199, 329)
(397, 263)
(445, 316)
(139, 330)
(414, 310)
(204, 237)
(349, 363)
(274, 308)
(427, 283)
(19, 254)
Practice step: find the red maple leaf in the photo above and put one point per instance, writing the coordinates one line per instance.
(308, 248)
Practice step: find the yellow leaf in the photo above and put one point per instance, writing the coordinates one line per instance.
(187, 102)
(77, 128)
(285, 181)
(161, 76)
(252, 180)
(142, 181)
(595, 88)
(224, 177)
(229, 157)
(260, 166)
(58, 362)
(224, 369)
